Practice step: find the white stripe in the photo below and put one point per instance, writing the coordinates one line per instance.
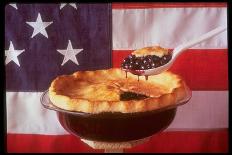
(206, 110)
(167, 27)
(25, 114)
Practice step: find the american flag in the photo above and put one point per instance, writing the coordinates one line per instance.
(43, 41)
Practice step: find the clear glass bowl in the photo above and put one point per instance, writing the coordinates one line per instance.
(114, 126)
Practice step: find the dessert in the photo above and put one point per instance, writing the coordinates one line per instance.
(147, 58)
(109, 91)
(103, 105)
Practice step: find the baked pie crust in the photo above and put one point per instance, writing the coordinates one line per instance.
(99, 91)
(152, 50)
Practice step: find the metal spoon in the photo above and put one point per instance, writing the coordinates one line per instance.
(177, 51)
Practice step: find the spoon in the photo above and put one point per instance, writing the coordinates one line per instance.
(177, 51)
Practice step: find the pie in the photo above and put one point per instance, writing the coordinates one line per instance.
(110, 91)
(147, 58)
(151, 50)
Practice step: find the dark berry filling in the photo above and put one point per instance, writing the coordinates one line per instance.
(147, 62)
(125, 96)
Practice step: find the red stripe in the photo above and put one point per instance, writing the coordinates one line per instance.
(186, 142)
(166, 5)
(202, 69)
(182, 141)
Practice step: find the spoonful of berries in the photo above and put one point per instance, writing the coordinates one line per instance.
(154, 60)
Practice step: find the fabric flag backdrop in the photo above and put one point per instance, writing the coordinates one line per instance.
(43, 41)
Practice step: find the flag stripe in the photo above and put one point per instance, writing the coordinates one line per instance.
(217, 141)
(147, 5)
(195, 66)
(167, 27)
(198, 113)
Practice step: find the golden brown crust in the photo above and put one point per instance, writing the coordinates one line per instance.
(99, 91)
(152, 50)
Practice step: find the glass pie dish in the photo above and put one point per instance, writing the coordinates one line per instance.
(114, 126)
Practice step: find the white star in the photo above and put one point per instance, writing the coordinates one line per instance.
(70, 53)
(14, 5)
(39, 26)
(64, 4)
(12, 54)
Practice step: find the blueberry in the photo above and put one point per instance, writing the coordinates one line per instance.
(155, 58)
(149, 57)
(144, 61)
(136, 67)
(162, 62)
(157, 64)
(142, 67)
(131, 61)
(165, 59)
(139, 58)
(126, 66)
(148, 66)
(126, 60)
(130, 66)
(131, 56)
(149, 60)
(137, 62)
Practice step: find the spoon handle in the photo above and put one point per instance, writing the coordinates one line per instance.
(197, 40)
